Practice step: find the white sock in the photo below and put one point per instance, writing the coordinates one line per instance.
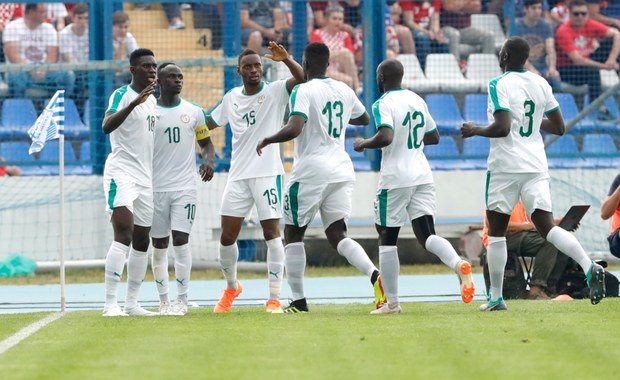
(275, 266)
(229, 254)
(136, 271)
(182, 270)
(114, 265)
(497, 255)
(568, 244)
(159, 264)
(295, 263)
(444, 250)
(356, 256)
(390, 267)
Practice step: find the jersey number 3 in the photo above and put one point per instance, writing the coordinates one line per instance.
(529, 108)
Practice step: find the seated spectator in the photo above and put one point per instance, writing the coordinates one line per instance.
(30, 40)
(578, 62)
(342, 62)
(350, 9)
(422, 17)
(261, 22)
(455, 19)
(611, 209)
(124, 43)
(559, 13)
(173, 14)
(56, 14)
(523, 238)
(605, 11)
(74, 37)
(539, 35)
(9, 170)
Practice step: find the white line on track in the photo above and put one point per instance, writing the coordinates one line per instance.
(27, 331)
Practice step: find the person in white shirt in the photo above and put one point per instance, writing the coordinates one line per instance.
(517, 166)
(128, 181)
(180, 124)
(30, 40)
(123, 43)
(74, 37)
(253, 111)
(406, 189)
(323, 176)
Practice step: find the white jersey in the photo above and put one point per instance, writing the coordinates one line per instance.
(403, 163)
(327, 105)
(527, 97)
(174, 155)
(132, 141)
(252, 118)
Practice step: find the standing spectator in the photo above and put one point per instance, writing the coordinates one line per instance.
(578, 63)
(539, 35)
(455, 18)
(261, 22)
(342, 62)
(173, 14)
(30, 40)
(422, 17)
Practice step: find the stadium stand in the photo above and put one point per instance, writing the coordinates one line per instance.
(414, 78)
(446, 113)
(444, 69)
(491, 23)
(475, 108)
(481, 68)
(17, 116)
(570, 111)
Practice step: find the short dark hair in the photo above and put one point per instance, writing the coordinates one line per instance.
(518, 50)
(119, 17)
(139, 53)
(244, 53)
(577, 3)
(80, 9)
(30, 7)
(317, 55)
(163, 66)
(392, 70)
(529, 3)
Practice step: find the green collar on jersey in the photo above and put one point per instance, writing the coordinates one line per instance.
(262, 85)
(176, 105)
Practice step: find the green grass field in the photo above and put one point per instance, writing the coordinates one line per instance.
(534, 339)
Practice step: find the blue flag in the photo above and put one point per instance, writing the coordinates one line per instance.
(50, 124)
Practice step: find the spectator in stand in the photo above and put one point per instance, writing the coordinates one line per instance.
(578, 63)
(605, 11)
(341, 59)
(30, 40)
(9, 170)
(351, 11)
(74, 37)
(261, 22)
(124, 44)
(422, 17)
(8, 12)
(539, 36)
(56, 13)
(173, 14)
(455, 19)
(559, 13)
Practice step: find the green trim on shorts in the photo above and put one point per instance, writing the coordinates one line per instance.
(279, 188)
(383, 198)
(486, 189)
(112, 194)
(293, 192)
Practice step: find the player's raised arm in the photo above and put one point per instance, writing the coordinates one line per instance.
(499, 128)
(113, 120)
(279, 54)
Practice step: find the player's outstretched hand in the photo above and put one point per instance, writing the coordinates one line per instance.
(144, 94)
(206, 170)
(278, 52)
(357, 145)
(259, 147)
(467, 129)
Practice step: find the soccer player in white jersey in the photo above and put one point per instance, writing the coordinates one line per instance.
(254, 111)
(323, 176)
(127, 181)
(180, 124)
(406, 189)
(517, 166)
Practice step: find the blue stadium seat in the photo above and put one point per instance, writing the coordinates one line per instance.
(74, 128)
(569, 109)
(598, 145)
(85, 151)
(443, 156)
(18, 115)
(86, 118)
(360, 162)
(476, 151)
(604, 126)
(17, 152)
(563, 153)
(446, 113)
(50, 152)
(475, 109)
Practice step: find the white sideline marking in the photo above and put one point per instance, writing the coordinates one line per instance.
(24, 333)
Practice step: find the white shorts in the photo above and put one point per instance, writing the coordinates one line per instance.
(174, 211)
(303, 200)
(122, 192)
(264, 192)
(395, 207)
(503, 191)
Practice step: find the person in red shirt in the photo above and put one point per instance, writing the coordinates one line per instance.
(611, 209)
(523, 238)
(9, 170)
(422, 17)
(578, 62)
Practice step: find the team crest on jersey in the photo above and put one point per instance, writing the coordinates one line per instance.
(185, 118)
(261, 99)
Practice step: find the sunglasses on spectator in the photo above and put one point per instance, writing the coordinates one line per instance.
(577, 14)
